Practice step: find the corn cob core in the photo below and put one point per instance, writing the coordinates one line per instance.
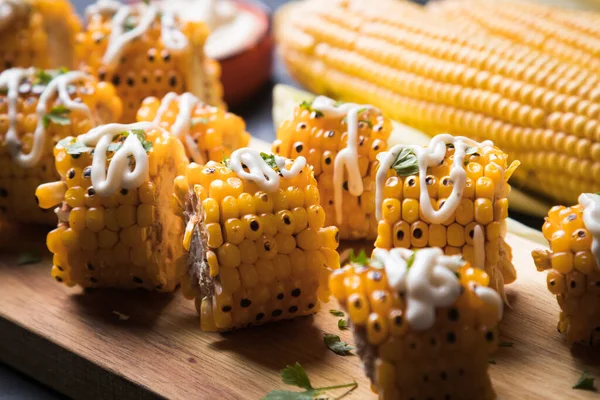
(321, 132)
(451, 195)
(424, 71)
(417, 340)
(38, 33)
(72, 103)
(255, 255)
(572, 264)
(208, 132)
(126, 239)
(152, 63)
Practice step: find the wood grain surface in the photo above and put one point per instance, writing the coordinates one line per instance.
(74, 342)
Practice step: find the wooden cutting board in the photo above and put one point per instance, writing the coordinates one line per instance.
(76, 342)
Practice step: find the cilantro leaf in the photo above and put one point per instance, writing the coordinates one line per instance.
(66, 141)
(472, 151)
(29, 257)
(336, 313)
(270, 160)
(406, 163)
(129, 24)
(295, 375)
(78, 148)
(506, 344)
(336, 345)
(343, 324)
(42, 77)
(58, 115)
(361, 258)
(196, 121)
(585, 382)
(411, 259)
(308, 106)
(288, 395)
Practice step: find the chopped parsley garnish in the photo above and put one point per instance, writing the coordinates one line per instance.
(335, 344)
(336, 313)
(141, 135)
(270, 160)
(129, 24)
(585, 382)
(361, 258)
(78, 148)
(343, 324)
(29, 257)
(472, 151)
(42, 77)
(308, 106)
(296, 376)
(406, 163)
(411, 260)
(58, 115)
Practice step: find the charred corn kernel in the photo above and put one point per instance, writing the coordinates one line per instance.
(29, 165)
(151, 66)
(39, 33)
(128, 238)
(321, 135)
(573, 268)
(472, 225)
(275, 255)
(544, 113)
(400, 343)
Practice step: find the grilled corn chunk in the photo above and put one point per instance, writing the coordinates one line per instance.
(452, 195)
(258, 249)
(207, 132)
(39, 33)
(115, 226)
(572, 264)
(145, 51)
(415, 339)
(48, 105)
(341, 142)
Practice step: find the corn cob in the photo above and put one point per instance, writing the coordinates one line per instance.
(341, 142)
(147, 52)
(428, 73)
(115, 226)
(572, 263)
(424, 324)
(258, 249)
(207, 132)
(37, 109)
(451, 195)
(39, 33)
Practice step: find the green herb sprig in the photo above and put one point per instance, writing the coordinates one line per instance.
(406, 163)
(296, 376)
(361, 258)
(58, 115)
(336, 313)
(585, 382)
(335, 344)
(306, 105)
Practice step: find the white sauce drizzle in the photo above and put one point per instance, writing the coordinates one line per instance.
(11, 80)
(431, 156)
(591, 218)
(9, 10)
(347, 158)
(259, 171)
(430, 283)
(181, 127)
(103, 7)
(119, 173)
(172, 37)
(479, 247)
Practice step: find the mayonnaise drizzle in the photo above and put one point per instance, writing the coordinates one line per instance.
(347, 158)
(478, 247)
(431, 156)
(103, 7)
(429, 283)
(11, 80)
(591, 218)
(172, 37)
(9, 10)
(119, 173)
(181, 127)
(260, 172)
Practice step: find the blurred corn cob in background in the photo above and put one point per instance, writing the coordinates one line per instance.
(258, 250)
(145, 52)
(115, 224)
(572, 265)
(38, 33)
(341, 142)
(37, 109)
(452, 195)
(207, 132)
(424, 324)
(438, 76)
